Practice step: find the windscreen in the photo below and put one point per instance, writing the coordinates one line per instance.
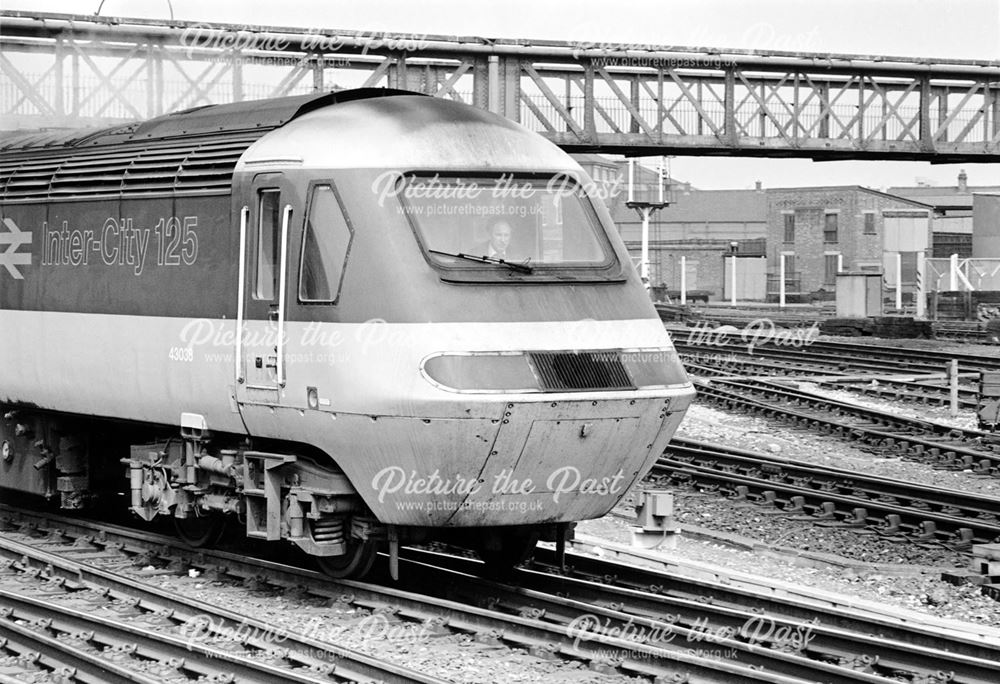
(538, 224)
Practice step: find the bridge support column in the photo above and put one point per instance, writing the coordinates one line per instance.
(493, 84)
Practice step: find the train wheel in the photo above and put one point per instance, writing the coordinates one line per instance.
(356, 563)
(201, 530)
(504, 550)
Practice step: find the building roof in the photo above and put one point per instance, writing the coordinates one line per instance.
(584, 158)
(945, 196)
(704, 206)
(858, 188)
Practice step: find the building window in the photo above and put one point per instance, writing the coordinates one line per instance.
(789, 263)
(789, 227)
(830, 269)
(869, 223)
(830, 229)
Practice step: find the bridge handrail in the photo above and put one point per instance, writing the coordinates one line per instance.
(49, 24)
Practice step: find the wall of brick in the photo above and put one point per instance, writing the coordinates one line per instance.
(704, 264)
(810, 206)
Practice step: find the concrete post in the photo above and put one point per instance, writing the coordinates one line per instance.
(921, 287)
(953, 387)
(631, 180)
(644, 264)
(732, 278)
(781, 279)
(684, 280)
(899, 281)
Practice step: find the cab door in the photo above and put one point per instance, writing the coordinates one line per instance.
(261, 340)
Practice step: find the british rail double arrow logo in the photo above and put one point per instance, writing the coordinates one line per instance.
(11, 258)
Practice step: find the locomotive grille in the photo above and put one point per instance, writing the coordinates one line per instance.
(131, 169)
(581, 371)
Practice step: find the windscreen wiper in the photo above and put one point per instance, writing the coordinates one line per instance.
(513, 265)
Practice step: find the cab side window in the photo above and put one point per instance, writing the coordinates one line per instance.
(267, 240)
(325, 246)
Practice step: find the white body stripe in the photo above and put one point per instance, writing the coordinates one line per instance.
(376, 410)
(152, 368)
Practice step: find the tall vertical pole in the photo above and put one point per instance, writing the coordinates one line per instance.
(953, 273)
(921, 288)
(732, 278)
(631, 180)
(684, 281)
(899, 281)
(659, 181)
(60, 104)
(644, 264)
(953, 387)
(781, 280)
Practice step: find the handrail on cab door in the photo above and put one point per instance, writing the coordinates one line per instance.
(286, 217)
(244, 217)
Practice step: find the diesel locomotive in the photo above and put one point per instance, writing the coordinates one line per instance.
(279, 314)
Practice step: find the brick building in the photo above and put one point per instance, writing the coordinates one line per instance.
(820, 231)
(699, 225)
(851, 228)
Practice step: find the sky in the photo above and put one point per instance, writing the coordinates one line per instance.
(948, 29)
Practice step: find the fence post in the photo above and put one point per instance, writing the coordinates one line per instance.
(684, 280)
(644, 265)
(921, 288)
(732, 278)
(781, 279)
(953, 386)
(899, 281)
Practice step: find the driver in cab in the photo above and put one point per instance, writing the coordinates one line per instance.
(498, 244)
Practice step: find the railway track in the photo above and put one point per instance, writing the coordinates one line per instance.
(940, 445)
(622, 599)
(893, 508)
(965, 331)
(847, 356)
(714, 634)
(916, 391)
(59, 602)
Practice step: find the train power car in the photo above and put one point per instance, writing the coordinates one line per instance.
(280, 314)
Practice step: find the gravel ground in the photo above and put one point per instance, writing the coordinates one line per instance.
(965, 420)
(930, 345)
(710, 424)
(883, 571)
(890, 586)
(427, 649)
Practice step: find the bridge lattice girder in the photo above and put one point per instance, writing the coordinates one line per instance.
(67, 70)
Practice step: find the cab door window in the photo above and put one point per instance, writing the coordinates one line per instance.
(267, 244)
(325, 246)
